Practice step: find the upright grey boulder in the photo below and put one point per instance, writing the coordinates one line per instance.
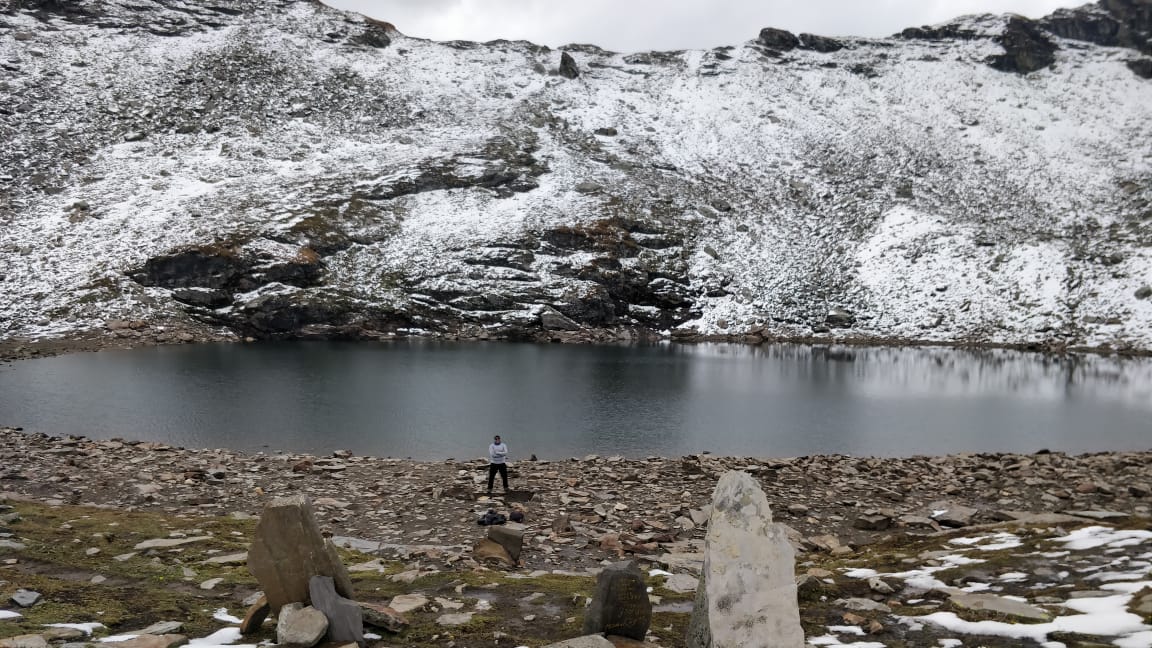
(568, 67)
(289, 550)
(747, 592)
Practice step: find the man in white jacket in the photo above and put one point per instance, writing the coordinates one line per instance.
(497, 462)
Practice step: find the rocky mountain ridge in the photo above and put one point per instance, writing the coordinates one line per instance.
(188, 169)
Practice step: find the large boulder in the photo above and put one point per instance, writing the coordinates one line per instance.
(747, 589)
(778, 39)
(289, 550)
(568, 68)
(620, 604)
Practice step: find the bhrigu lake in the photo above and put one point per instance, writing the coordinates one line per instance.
(428, 400)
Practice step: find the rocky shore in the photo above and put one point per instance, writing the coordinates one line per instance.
(909, 551)
(834, 500)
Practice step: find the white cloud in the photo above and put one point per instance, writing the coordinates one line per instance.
(636, 25)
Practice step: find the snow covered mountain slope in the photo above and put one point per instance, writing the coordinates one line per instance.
(280, 169)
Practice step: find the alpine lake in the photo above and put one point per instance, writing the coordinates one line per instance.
(438, 400)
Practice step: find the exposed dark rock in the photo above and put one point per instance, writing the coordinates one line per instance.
(1027, 48)
(1142, 67)
(620, 604)
(568, 67)
(553, 320)
(820, 43)
(204, 298)
(939, 32)
(1084, 24)
(375, 34)
(840, 318)
(778, 39)
(225, 267)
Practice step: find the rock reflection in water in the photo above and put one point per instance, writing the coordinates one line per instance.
(436, 400)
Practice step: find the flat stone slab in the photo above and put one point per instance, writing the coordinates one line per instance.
(229, 559)
(405, 603)
(154, 641)
(1100, 515)
(11, 545)
(163, 627)
(588, 641)
(24, 641)
(167, 543)
(691, 563)
(1000, 605)
(1024, 517)
(454, 619)
(25, 598)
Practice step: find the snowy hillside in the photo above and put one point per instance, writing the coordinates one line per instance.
(285, 170)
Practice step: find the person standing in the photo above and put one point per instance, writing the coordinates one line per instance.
(497, 462)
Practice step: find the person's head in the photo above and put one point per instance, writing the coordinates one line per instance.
(496, 439)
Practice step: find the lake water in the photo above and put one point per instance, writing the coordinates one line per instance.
(440, 400)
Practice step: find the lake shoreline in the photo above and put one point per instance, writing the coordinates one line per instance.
(129, 338)
(406, 504)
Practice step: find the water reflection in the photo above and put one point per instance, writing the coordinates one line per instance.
(429, 400)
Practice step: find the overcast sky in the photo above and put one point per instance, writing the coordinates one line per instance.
(639, 25)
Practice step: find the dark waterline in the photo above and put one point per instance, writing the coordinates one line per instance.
(439, 400)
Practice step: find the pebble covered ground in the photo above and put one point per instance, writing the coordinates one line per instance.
(989, 550)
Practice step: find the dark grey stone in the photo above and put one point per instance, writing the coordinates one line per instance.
(345, 619)
(620, 604)
(568, 67)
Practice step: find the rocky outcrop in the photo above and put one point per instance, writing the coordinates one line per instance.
(779, 40)
(1113, 23)
(279, 182)
(568, 68)
(1027, 48)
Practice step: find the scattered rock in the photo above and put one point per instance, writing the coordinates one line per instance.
(300, 626)
(384, 617)
(25, 598)
(257, 613)
(588, 641)
(24, 641)
(1000, 605)
(951, 514)
(405, 603)
(454, 618)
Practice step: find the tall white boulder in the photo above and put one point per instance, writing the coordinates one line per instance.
(747, 592)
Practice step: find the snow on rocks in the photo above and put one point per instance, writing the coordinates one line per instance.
(903, 184)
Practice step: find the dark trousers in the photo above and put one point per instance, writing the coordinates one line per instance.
(497, 468)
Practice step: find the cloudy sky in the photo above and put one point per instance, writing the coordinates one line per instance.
(637, 25)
